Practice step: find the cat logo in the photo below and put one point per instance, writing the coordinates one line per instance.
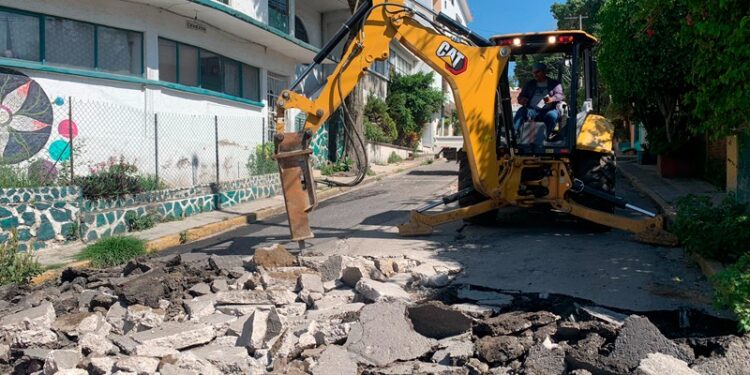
(455, 61)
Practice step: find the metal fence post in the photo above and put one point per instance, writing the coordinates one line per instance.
(70, 134)
(263, 131)
(216, 144)
(156, 146)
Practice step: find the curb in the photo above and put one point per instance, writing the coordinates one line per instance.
(668, 211)
(213, 229)
(708, 267)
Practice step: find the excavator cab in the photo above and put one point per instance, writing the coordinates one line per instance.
(569, 59)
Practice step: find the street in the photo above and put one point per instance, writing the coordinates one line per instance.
(524, 253)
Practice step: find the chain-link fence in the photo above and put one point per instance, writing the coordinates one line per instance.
(172, 149)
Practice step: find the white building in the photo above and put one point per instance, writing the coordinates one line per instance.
(189, 57)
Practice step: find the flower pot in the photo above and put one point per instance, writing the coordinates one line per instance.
(671, 166)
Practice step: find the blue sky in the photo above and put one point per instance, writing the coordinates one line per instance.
(493, 17)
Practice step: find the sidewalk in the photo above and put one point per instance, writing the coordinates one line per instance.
(193, 228)
(665, 191)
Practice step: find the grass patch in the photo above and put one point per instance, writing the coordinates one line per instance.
(113, 251)
(394, 158)
(342, 165)
(17, 267)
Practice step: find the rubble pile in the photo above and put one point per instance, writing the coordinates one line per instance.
(277, 313)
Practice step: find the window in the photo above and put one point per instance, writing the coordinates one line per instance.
(62, 41)
(299, 30)
(119, 51)
(68, 42)
(212, 76)
(19, 36)
(278, 14)
(196, 67)
(167, 60)
(231, 77)
(250, 82)
(188, 65)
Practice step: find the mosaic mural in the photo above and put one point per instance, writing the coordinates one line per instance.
(25, 117)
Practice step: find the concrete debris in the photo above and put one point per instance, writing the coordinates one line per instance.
(228, 360)
(201, 314)
(383, 335)
(310, 282)
(387, 266)
(200, 289)
(420, 368)
(733, 359)
(436, 320)
(102, 365)
(350, 276)
(225, 262)
(91, 343)
(377, 291)
(138, 365)
(638, 338)
(273, 257)
(658, 364)
(243, 297)
(219, 285)
(542, 360)
(455, 353)
(501, 349)
(260, 328)
(176, 335)
(58, 360)
(514, 322)
(198, 307)
(36, 318)
(335, 361)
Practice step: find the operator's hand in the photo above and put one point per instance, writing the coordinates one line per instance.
(522, 100)
(547, 99)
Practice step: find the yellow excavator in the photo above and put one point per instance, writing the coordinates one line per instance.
(571, 172)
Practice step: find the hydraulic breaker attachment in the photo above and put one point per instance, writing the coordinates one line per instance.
(297, 182)
(421, 224)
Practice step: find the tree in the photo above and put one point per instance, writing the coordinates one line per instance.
(411, 102)
(566, 15)
(354, 104)
(717, 32)
(645, 66)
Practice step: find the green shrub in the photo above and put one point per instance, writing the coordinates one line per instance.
(379, 126)
(394, 158)
(262, 161)
(17, 267)
(733, 290)
(342, 165)
(114, 179)
(113, 251)
(137, 223)
(39, 173)
(412, 101)
(720, 232)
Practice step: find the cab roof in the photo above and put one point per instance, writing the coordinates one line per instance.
(542, 42)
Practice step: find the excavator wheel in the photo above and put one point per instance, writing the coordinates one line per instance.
(596, 170)
(464, 181)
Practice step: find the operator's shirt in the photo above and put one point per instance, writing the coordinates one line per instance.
(539, 93)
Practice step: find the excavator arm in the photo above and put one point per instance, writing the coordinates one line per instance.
(472, 72)
(473, 68)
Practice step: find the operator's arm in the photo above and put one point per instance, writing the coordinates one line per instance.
(557, 94)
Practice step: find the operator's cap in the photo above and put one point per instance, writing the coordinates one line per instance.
(539, 66)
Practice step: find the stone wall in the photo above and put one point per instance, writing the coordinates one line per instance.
(37, 216)
(47, 216)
